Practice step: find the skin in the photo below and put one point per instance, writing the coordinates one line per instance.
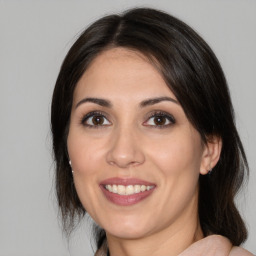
(129, 144)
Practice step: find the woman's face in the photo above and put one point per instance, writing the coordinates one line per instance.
(136, 157)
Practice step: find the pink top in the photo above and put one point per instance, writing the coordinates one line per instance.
(214, 245)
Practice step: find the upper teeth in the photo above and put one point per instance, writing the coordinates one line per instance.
(127, 190)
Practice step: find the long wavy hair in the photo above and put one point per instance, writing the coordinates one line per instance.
(193, 73)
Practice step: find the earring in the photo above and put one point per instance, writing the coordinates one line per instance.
(209, 172)
(71, 166)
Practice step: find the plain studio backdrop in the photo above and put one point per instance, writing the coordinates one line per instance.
(34, 38)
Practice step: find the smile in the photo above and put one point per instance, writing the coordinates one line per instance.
(127, 190)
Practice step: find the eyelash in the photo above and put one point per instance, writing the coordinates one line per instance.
(155, 114)
(168, 116)
(92, 114)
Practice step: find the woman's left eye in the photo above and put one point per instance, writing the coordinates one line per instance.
(160, 120)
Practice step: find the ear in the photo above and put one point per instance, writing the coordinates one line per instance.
(211, 154)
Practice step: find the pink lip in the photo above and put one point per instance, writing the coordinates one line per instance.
(126, 200)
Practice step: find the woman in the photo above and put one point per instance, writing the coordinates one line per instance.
(145, 141)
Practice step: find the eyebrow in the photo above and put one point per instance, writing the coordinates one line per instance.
(144, 103)
(150, 102)
(101, 102)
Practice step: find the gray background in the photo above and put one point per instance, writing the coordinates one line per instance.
(34, 38)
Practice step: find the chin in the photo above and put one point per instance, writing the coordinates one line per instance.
(127, 234)
(128, 229)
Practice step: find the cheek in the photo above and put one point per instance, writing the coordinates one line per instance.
(87, 163)
(86, 154)
(177, 161)
(177, 155)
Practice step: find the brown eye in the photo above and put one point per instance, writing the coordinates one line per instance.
(98, 120)
(160, 120)
(95, 119)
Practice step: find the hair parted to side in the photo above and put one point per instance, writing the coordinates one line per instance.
(193, 73)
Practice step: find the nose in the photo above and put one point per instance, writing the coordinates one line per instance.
(125, 149)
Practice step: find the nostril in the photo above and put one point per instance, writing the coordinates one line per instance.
(124, 151)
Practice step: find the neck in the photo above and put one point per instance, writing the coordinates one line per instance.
(170, 241)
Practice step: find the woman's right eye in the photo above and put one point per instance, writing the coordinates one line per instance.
(95, 120)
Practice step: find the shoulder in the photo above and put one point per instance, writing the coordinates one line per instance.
(212, 245)
(238, 251)
(223, 243)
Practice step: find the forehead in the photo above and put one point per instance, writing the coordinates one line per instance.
(124, 72)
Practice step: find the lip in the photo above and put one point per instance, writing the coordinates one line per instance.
(126, 200)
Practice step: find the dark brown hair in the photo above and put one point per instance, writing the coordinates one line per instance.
(193, 73)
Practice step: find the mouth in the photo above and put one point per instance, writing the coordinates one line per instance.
(125, 192)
